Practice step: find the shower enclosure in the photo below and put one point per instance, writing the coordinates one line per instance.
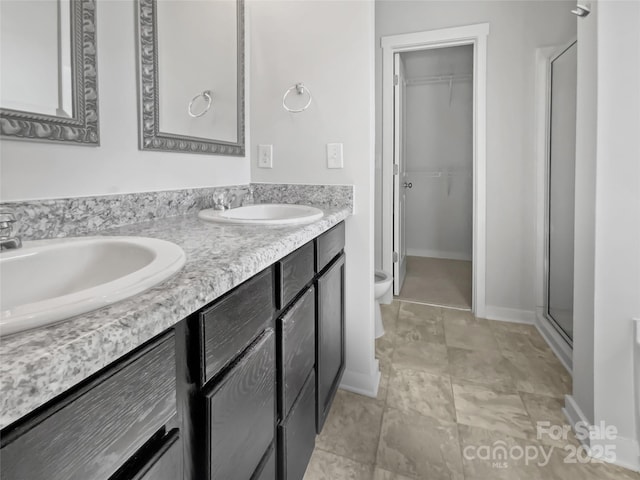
(560, 191)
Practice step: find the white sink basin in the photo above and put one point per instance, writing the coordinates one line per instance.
(48, 281)
(264, 214)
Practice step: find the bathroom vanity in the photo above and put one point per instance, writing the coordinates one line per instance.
(237, 389)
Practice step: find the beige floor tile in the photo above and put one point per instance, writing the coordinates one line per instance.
(463, 330)
(544, 376)
(385, 345)
(530, 344)
(418, 446)
(565, 465)
(352, 428)
(390, 315)
(481, 406)
(546, 411)
(383, 387)
(328, 466)
(420, 323)
(492, 455)
(380, 474)
(414, 391)
(481, 367)
(438, 281)
(424, 356)
(523, 328)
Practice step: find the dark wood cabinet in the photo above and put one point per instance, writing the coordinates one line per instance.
(236, 391)
(330, 354)
(241, 413)
(297, 433)
(92, 430)
(296, 357)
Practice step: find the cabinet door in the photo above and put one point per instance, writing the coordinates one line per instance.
(297, 435)
(241, 413)
(330, 337)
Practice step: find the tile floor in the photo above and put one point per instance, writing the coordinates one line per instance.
(438, 281)
(454, 390)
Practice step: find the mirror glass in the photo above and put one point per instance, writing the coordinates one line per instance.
(48, 71)
(191, 73)
(197, 52)
(35, 47)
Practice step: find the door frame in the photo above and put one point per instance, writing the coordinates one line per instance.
(475, 35)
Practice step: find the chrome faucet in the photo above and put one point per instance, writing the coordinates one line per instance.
(7, 240)
(221, 203)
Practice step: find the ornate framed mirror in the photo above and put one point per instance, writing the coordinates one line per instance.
(191, 76)
(49, 71)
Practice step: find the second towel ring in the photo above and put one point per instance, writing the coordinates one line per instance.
(207, 95)
(300, 89)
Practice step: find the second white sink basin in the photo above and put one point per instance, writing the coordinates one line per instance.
(264, 214)
(45, 282)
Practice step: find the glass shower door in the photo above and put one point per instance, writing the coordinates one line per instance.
(561, 189)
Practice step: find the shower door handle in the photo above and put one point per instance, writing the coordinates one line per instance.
(407, 185)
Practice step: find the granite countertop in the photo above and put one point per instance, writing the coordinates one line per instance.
(37, 365)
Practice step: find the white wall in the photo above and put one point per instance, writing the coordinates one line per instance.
(517, 29)
(439, 141)
(603, 353)
(30, 170)
(329, 47)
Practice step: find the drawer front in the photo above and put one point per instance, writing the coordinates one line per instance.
(297, 352)
(92, 432)
(296, 270)
(166, 463)
(297, 436)
(267, 469)
(241, 413)
(232, 323)
(329, 244)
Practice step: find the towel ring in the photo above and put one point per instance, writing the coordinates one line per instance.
(300, 89)
(207, 95)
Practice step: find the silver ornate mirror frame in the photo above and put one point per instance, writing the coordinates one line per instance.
(83, 127)
(150, 136)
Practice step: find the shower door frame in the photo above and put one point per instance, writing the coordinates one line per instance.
(475, 35)
(559, 342)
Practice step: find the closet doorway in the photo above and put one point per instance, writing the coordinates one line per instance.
(434, 130)
(434, 141)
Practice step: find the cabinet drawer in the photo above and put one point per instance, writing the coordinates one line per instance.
(267, 469)
(233, 322)
(297, 435)
(295, 271)
(297, 352)
(241, 413)
(93, 430)
(328, 245)
(165, 463)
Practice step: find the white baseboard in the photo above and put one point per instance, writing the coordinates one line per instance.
(558, 345)
(509, 314)
(627, 450)
(421, 252)
(361, 383)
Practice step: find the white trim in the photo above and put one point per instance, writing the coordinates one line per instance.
(556, 342)
(361, 383)
(626, 449)
(514, 315)
(475, 35)
(421, 252)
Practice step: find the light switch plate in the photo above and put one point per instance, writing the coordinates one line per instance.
(265, 156)
(334, 155)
